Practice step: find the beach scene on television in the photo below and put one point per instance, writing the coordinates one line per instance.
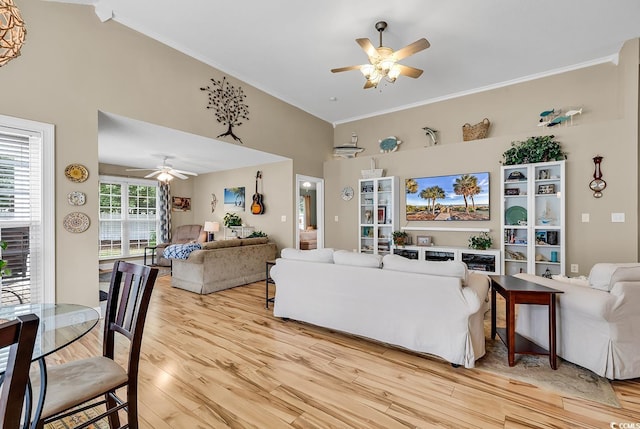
(450, 198)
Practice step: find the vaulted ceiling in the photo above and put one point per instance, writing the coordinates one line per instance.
(287, 47)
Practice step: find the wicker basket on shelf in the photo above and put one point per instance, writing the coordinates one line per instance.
(477, 131)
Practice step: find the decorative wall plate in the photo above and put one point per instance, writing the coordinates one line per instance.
(76, 198)
(76, 222)
(77, 173)
(516, 215)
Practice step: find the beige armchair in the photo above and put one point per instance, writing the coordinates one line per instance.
(183, 234)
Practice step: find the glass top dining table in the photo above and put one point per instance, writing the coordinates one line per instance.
(60, 325)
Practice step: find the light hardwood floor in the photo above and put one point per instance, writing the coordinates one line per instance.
(223, 360)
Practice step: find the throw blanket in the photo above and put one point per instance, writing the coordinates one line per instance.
(180, 251)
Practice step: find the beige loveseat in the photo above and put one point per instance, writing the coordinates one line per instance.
(223, 264)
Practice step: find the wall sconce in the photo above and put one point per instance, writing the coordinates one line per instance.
(12, 31)
(210, 228)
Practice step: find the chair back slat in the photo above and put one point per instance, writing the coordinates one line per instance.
(127, 304)
(20, 336)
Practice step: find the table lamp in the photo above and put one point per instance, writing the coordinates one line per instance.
(210, 228)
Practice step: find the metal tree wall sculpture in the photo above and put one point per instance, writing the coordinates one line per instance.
(227, 101)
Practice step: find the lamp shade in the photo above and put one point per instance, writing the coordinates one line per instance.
(211, 226)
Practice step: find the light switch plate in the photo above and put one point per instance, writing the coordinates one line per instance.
(617, 217)
(585, 217)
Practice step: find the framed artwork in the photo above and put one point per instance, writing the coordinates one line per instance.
(180, 204)
(424, 240)
(546, 189)
(382, 214)
(541, 237)
(456, 197)
(544, 174)
(234, 199)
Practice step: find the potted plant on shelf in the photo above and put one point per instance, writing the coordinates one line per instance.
(400, 238)
(482, 241)
(232, 219)
(534, 149)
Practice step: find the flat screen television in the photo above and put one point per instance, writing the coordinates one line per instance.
(457, 197)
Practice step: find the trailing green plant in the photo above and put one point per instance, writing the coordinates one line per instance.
(399, 237)
(481, 241)
(256, 234)
(4, 271)
(534, 149)
(232, 219)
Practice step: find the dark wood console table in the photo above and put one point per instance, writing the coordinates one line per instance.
(517, 291)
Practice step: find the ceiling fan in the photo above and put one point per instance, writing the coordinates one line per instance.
(165, 172)
(383, 61)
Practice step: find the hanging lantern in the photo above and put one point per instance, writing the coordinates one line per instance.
(12, 31)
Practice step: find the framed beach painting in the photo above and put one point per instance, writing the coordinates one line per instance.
(234, 199)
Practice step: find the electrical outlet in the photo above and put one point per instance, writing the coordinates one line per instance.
(585, 217)
(283, 218)
(335, 219)
(574, 268)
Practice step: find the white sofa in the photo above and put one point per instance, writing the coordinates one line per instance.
(420, 305)
(597, 320)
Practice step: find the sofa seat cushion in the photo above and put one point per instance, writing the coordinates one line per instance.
(180, 251)
(344, 257)
(604, 275)
(317, 255)
(435, 268)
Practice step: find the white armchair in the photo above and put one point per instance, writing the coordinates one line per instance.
(598, 322)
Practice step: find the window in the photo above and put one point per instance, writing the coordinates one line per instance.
(129, 218)
(26, 210)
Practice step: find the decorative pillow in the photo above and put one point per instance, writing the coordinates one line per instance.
(316, 255)
(180, 251)
(578, 281)
(604, 275)
(344, 257)
(435, 268)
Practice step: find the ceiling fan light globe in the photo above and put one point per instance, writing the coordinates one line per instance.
(367, 70)
(394, 72)
(165, 177)
(386, 66)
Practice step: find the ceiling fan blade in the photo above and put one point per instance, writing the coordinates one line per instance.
(368, 47)
(342, 69)
(155, 173)
(140, 169)
(190, 173)
(409, 71)
(176, 174)
(417, 46)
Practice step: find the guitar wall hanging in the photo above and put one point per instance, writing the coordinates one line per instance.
(257, 206)
(597, 185)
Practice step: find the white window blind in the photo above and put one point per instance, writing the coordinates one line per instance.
(21, 214)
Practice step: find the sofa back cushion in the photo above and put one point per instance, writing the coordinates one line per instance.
(316, 255)
(434, 268)
(344, 257)
(604, 275)
(221, 244)
(254, 240)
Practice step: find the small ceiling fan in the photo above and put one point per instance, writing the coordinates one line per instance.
(165, 172)
(383, 61)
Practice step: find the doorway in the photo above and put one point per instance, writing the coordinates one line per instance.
(309, 212)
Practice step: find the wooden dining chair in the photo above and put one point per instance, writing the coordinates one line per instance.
(77, 386)
(20, 336)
